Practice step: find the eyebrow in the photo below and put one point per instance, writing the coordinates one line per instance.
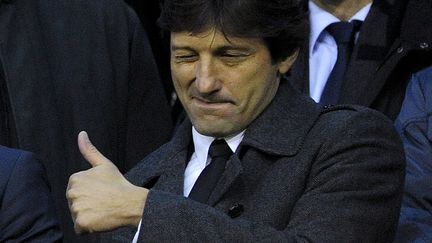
(218, 50)
(186, 48)
(223, 49)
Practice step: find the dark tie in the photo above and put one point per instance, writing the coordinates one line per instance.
(344, 35)
(219, 153)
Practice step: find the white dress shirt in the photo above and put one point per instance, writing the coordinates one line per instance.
(199, 160)
(323, 47)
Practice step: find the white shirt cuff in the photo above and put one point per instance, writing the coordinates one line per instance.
(135, 239)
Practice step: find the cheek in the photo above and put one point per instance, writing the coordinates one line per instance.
(256, 85)
(261, 91)
(182, 75)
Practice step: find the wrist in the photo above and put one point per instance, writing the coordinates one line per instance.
(136, 203)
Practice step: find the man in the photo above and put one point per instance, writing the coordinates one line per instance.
(390, 39)
(67, 66)
(280, 168)
(27, 212)
(414, 125)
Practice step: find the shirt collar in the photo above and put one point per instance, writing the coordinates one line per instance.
(202, 143)
(320, 19)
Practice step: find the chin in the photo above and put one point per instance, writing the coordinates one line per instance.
(215, 130)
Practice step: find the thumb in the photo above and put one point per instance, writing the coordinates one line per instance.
(89, 151)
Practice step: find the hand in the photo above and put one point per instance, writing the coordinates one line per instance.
(100, 198)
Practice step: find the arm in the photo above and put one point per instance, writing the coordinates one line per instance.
(414, 125)
(27, 210)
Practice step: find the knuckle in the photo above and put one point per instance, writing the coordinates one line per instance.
(74, 209)
(74, 178)
(78, 226)
(71, 194)
(81, 222)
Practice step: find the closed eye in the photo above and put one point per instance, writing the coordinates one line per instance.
(231, 58)
(185, 58)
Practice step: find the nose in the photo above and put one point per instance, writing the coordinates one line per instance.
(206, 81)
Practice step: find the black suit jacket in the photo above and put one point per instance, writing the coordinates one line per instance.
(394, 42)
(72, 65)
(27, 212)
(301, 173)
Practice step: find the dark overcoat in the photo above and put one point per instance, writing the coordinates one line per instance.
(71, 65)
(301, 173)
(395, 41)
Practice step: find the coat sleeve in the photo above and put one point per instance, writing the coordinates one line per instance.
(27, 212)
(414, 125)
(353, 193)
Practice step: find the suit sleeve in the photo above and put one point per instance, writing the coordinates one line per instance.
(27, 211)
(353, 193)
(414, 125)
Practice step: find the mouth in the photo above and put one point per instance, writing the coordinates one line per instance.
(211, 105)
(213, 101)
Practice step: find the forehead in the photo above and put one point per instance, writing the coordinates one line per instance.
(212, 39)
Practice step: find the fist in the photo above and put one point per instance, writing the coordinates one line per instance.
(100, 198)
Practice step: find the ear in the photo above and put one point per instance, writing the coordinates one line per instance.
(286, 64)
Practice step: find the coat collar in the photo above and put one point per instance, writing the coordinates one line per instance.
(282, 127)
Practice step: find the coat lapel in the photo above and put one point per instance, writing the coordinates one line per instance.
(172, 179)
(233, 169)
(164, 169)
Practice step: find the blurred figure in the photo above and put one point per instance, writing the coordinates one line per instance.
(414, 124)
(67, 66)
(27, 212)
(364, 51)
(149, 11)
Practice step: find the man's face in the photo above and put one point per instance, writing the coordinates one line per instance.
(223, 84)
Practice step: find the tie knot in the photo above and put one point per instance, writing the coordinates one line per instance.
(219, 148)
(343, 32)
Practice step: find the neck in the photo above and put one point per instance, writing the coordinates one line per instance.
(342, 9)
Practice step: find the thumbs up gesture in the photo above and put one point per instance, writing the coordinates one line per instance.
(100, 198)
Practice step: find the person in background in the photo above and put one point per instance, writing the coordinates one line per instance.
(149, 11)
(67, 66)
(414, 125)
(254, 160)
(364, 51)
(27, 211)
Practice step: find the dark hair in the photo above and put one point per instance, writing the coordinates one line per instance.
(282, 24)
